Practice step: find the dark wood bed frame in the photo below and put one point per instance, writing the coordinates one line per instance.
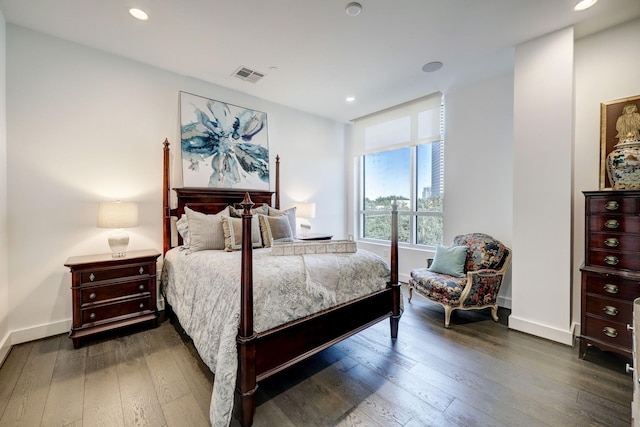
(261, 355)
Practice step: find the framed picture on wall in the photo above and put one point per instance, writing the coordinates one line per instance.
(223, 145)
(617, 119)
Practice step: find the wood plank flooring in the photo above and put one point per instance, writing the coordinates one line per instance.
(478, 373)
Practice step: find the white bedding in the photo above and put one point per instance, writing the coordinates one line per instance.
(203, 288)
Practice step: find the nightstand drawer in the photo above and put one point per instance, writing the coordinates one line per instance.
(107, 312)
(617, 223)
(615, 241)
(614, 259)
(96, 294)
(92, 276)
(613, 204)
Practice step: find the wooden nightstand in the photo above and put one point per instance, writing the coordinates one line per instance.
(110, 293)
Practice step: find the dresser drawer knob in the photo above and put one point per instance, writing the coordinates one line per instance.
(610, 332)
(611, 260)
(612, 223)
(612, 205)
(628, 368)
(141, 271)
(141, 287)
(141, 305)
(92, 295)
(629, 327)
(612, 289)
(92, 316)
(612, 242)
(611, 311)
(92, 277)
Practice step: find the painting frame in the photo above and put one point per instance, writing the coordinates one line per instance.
(222, 145)
(610, 111)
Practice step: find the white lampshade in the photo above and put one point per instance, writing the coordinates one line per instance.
(118, 215)
(306, 210)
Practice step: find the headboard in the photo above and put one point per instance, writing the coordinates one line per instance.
(206, 199)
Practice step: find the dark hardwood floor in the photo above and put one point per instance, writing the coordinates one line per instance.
(478, 373)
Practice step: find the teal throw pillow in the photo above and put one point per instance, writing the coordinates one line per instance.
(449, 260)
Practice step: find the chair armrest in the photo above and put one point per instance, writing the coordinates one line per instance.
(482, 288)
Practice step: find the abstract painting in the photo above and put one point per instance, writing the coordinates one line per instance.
(223, 145)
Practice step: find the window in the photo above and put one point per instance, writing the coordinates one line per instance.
(402, 162)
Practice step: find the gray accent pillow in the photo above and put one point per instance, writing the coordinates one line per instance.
(205, 231)
(182, 225)
(290, 214)
(275, 228)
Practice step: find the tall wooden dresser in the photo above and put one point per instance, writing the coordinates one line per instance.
(611, 270)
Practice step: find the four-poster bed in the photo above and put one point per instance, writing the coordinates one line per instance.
(262, 353)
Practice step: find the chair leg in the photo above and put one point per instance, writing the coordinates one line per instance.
(447, 315)
(494, 312)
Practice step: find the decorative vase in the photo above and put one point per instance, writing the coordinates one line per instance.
(623, 165)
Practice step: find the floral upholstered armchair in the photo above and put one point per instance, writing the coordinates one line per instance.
(465, 276)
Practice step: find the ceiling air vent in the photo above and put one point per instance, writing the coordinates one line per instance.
(247, 74)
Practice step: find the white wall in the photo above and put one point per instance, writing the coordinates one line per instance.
(542, 164)
(4, 274)
(86, 126)
(607, 67)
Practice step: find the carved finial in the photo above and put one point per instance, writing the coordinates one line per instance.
(394, 205)
(166, 143)
(246, 204)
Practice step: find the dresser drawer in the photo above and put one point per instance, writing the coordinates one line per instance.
(109, 311)
(614, 309)
(615, 241)
(617, 223)
(102, 274)
(614, 259)
(613, 204)
(608, 332)
(612, 286)
(97, 294)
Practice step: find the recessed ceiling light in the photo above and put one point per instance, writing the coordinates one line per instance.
(350, 98)
(432, 66)
(584, 4)
(138, 14)
(353, 8)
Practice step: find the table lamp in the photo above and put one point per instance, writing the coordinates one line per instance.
(305, 210)
(118, 215)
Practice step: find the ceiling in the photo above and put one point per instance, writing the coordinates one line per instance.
(311, 52)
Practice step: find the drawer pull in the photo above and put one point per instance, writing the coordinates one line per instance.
(141, 271)
(611, 311)
(141, 305)
(628, 368)
(611, 260)
(141, 287)
(612, 205)
(612, 289)
(610, 332)
(629, 327)
(612, 223)
(612, 242)
(92, 295)
(92, 277)
(92, 316)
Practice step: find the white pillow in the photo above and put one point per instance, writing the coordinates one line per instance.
(291, 215)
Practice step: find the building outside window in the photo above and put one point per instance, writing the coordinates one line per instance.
(402, 160)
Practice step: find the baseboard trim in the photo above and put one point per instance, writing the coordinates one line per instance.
(5, 347)
(542, 331)
(39, 332)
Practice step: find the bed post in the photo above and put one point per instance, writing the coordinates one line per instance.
(246, 383)
(166, 209)
(395, 285)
